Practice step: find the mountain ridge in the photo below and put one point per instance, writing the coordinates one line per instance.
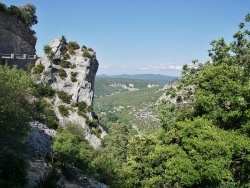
(157, 78)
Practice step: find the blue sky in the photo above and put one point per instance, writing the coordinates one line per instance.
(139, 36)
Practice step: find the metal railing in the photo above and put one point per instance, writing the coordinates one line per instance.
(17, 56)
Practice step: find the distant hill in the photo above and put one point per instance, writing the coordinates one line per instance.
(157, 78)
(105, 86)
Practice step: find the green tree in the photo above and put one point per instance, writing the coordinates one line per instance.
(112, 154)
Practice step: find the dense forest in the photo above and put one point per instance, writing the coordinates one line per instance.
(204, 139)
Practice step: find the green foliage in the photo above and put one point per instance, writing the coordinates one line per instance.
(112, 154)
(84, 48)
(49, 179)
(93, 123)
(38, 69)
(73, 79)
(82, 107)
(13, 170)
(48, 51)
(86, 54)
(15, 108)
(73, 76)
(190, 153)
(62, 73)
(70, 150)
(63, 110)
(75, 129)
(72, 46)
(45, 114)
(65, 97)
(90, 50)
(65, 64)
(25, 13)
(43, 91)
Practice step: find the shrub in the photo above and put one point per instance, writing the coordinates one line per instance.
(72, 46)
(45, 114)
(71, 50)
(93, 131)
(93, 123)
(47, 49)
(64, 96)
(38, 69)
(84, 48)
(65, 56)
(43, 91)
(62, 73)
(74, 74)
(86, 54)
(65, 64)
(73, 79)
(81, 106)
(90, 50)
(63, 110)
(98, 130)
(76, 130)
(70, 150)
(73, 66)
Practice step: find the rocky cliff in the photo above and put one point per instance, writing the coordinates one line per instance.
(75, 77)
(15, 36)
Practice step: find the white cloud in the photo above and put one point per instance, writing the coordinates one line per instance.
(104, 67)
(162, 66)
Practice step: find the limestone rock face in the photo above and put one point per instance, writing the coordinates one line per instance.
(80, 86)
(15, 37)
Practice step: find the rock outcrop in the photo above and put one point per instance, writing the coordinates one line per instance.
(80, 87)
(15, 36)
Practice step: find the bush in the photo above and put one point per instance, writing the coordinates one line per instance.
(73, 74)
(93, 123)
(48, 51)
(43, 91)
(62, 73)
(64, 96)
(65, 56)
(90, 50)
(72, 46)
(73, 79)
(70, 150)
(63, 110)
(76, 130)
(86, 54)
(45, 114)
(82, 106)
(84, 48)
(65, 64)
(38, 69)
